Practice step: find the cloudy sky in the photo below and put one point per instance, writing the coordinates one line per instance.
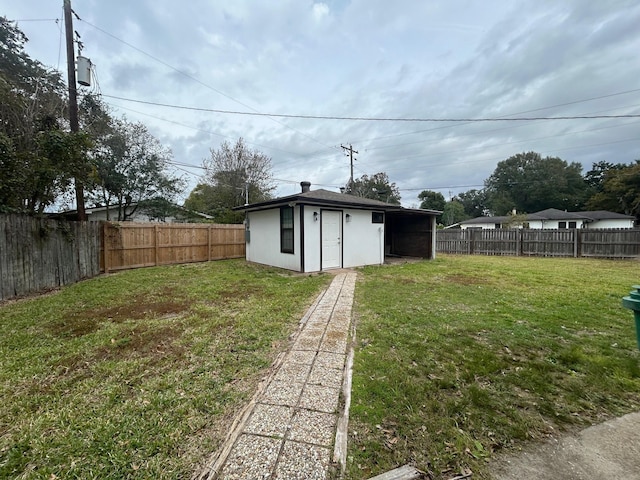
(405, 59)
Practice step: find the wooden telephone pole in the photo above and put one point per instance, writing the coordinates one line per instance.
(73, 99)
(351, 152)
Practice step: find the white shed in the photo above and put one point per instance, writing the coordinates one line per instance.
(320, 230)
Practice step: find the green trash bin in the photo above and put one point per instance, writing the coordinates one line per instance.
(632, 302)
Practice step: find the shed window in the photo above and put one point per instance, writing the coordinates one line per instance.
(572, 224)
(562, 224)
(286, 229)
(377, 217)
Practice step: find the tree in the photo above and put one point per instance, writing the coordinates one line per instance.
(620, 191)
(474, 202)
(376, 187)
(529, 183)
(235, 175)
(596, 177)
(431, 200)
(453, 212)
(40, 155)
(130, 169)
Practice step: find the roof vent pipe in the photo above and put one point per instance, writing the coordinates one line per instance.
(306, 186)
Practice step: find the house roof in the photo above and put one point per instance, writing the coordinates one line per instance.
(114, 207)
(604, 215)
(323, 197)
(555, 214)
(483, 220)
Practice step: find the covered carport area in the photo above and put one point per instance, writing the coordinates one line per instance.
(410, 233)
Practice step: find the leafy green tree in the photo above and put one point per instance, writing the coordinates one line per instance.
(620, 191)
(235, 175)
(474, 202)
(596, 177)
(529, 183)
(131, 169)
(453, 212)
(375, 187)
(40, 155)
(431, 200)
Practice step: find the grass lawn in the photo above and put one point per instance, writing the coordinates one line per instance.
(465, 356)
(139, 374)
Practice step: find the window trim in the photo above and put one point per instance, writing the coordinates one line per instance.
(283, 230)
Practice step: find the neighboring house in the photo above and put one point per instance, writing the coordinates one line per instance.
(554, 218)
(320, 230)
(96, 214)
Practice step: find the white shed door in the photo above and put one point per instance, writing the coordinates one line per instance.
(331, 242)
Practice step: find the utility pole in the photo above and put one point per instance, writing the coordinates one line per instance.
(351, 152)
(73, 99)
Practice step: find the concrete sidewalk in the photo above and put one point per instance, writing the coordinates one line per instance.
(289, 428)
(610, 450)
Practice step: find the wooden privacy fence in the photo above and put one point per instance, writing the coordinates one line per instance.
(134, 245)
(602, 243)
(38, 254)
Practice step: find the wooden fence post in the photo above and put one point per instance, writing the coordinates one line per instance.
(209, 244)
(105, 246)
(155, 244)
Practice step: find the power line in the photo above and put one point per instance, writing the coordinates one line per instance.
(191, 77)
(372, 119)
(483, 147)
(440, 188)
(508, 115)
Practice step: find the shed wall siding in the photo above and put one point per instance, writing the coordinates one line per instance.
(613, 223)
(363, 241)
(311, 239)
(487, 226)
(264, 243)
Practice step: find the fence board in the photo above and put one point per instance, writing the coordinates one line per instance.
(601, 243)
(133, 245)
(38, 254)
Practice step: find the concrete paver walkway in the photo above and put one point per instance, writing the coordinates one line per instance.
(288, 431)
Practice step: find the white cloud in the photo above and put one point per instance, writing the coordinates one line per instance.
(320, 11)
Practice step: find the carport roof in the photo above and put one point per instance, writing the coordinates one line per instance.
(327, 198)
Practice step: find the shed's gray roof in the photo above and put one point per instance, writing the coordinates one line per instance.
(323, 197)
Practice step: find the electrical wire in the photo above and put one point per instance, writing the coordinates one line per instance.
(191, 77)
(371, 119)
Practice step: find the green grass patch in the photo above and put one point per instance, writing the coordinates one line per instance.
(139, 374)
(465, 356)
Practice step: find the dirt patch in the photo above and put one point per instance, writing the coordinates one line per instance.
(84, 322)
(464, 279)
(153, 343)
(138, 310)
(143, 341)
(236, 292)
